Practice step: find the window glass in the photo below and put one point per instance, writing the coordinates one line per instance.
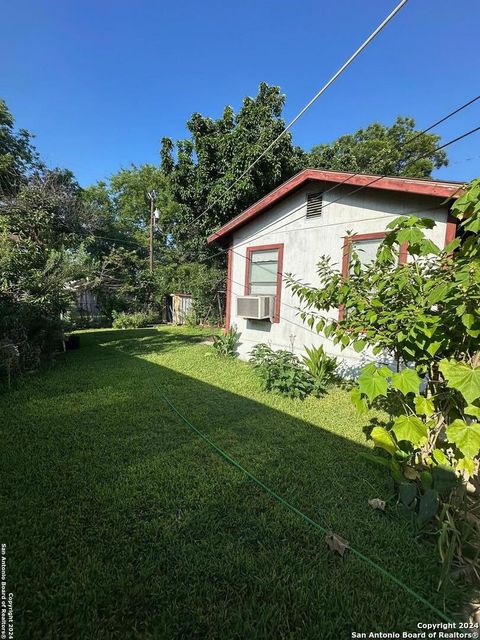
(366, 249)
(263, 272)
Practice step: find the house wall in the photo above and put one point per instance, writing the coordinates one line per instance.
(305, 240)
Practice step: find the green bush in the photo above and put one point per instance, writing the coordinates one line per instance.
(432, 438)
(9, 359)
(190, 319)
(225, 345)
(124, 320)
(321, 367)
(28, 337)
(281, 372)
(73, 320)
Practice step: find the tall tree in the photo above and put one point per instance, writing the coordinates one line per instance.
(119, 210)
(217, 153)
(18, 156)
(118, 235)
(397, 150)
(39, 226)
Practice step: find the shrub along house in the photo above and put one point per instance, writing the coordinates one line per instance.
(311, 215)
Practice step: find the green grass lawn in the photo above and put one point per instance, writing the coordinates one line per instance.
(120, 522)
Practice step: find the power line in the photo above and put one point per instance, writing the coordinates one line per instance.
(424, 155)
(415, 137)
(119, 240)
(338, 73)
(446, 144)
(465, 160)
(377, 178)
(277, 229)
(350, 176)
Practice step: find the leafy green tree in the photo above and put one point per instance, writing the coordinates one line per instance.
(18, 156)
(46, 212)
(120, 209)
(101, 227)
(117, 237)
(41, 219)
(38, 231)
(426, 313)
(202, 169)
(121, 281)
(128, 190)
(397, 150)
(215, 155)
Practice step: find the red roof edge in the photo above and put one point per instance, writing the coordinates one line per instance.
(438, 188)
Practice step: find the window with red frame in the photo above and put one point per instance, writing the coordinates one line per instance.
(366, 249)
(366, 246)
(263, 276)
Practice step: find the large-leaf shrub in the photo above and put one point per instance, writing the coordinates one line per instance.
(424, 315)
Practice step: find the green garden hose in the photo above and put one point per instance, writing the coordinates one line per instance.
(307, 519)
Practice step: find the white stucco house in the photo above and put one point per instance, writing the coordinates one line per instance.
(304, 218)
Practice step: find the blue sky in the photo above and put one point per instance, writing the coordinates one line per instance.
(100, 82)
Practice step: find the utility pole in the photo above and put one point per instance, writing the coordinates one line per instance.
(152, 196)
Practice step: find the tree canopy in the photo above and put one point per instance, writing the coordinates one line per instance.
(216, 154)
(53, 232)
(398, 150)
(119, 209)
(18, 156)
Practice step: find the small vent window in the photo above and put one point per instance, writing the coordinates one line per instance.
(314, 204)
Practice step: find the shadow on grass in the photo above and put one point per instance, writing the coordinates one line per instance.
(120, 522)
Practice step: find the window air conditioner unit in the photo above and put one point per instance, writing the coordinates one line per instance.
(256, 307)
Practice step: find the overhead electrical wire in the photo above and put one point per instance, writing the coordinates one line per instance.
(424, 155)
(377, 178)
(412, 161)
(349, 177)
(88, 235)
(415, 137)
(336, 75)
(446, 144)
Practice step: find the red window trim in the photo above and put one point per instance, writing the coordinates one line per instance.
(347, 241)
(248, 261)
(450, 229)
(228, 300)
